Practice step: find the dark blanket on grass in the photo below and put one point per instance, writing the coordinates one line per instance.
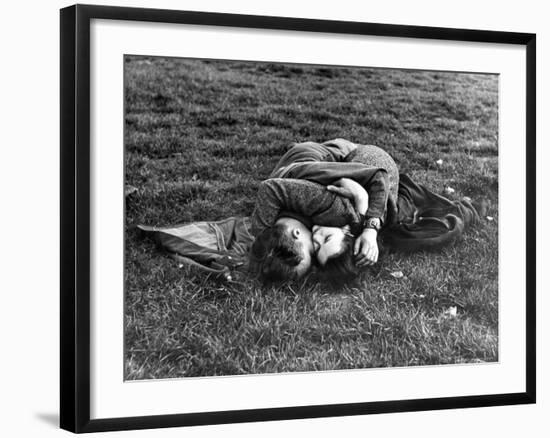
(424, 221)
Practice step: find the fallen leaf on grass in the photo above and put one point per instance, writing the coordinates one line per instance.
(397, 274)
(449, 190)
(451, 311)
(490, 218)
(128, 190)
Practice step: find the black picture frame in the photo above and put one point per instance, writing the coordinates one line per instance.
(75, 217)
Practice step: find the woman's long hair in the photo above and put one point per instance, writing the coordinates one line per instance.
(340, 267)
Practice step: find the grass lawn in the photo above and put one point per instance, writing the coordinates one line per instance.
(201, 135)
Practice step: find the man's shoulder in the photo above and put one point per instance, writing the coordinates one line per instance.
(340, 148)
(304, 144)
(340, 143)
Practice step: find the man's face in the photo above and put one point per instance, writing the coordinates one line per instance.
(301, 235)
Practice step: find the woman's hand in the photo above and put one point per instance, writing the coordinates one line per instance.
(366, 248)
(351, 189)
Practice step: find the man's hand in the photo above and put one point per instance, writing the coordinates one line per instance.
(351, 189)
(347, 188)
(366, 248)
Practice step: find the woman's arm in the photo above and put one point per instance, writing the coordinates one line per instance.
(366, 245)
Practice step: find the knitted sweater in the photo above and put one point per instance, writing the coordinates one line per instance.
(324, 163)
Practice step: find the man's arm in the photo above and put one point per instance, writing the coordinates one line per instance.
(373, 179)
(306, 198)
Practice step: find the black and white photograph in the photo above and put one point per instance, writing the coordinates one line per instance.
(288, 218)
(275, 219)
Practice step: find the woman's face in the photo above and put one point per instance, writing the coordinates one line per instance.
(327, 241)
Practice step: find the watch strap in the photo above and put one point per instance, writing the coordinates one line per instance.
(372, 222)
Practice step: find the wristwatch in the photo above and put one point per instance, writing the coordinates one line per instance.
(372, 222)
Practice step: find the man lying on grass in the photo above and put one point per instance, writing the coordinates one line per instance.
(314, 185)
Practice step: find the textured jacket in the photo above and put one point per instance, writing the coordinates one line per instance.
(324, 163)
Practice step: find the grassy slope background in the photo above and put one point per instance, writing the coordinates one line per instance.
(201, 135)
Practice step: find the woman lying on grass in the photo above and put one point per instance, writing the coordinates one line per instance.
(314, 185)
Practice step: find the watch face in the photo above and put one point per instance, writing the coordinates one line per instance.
(373, 223)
